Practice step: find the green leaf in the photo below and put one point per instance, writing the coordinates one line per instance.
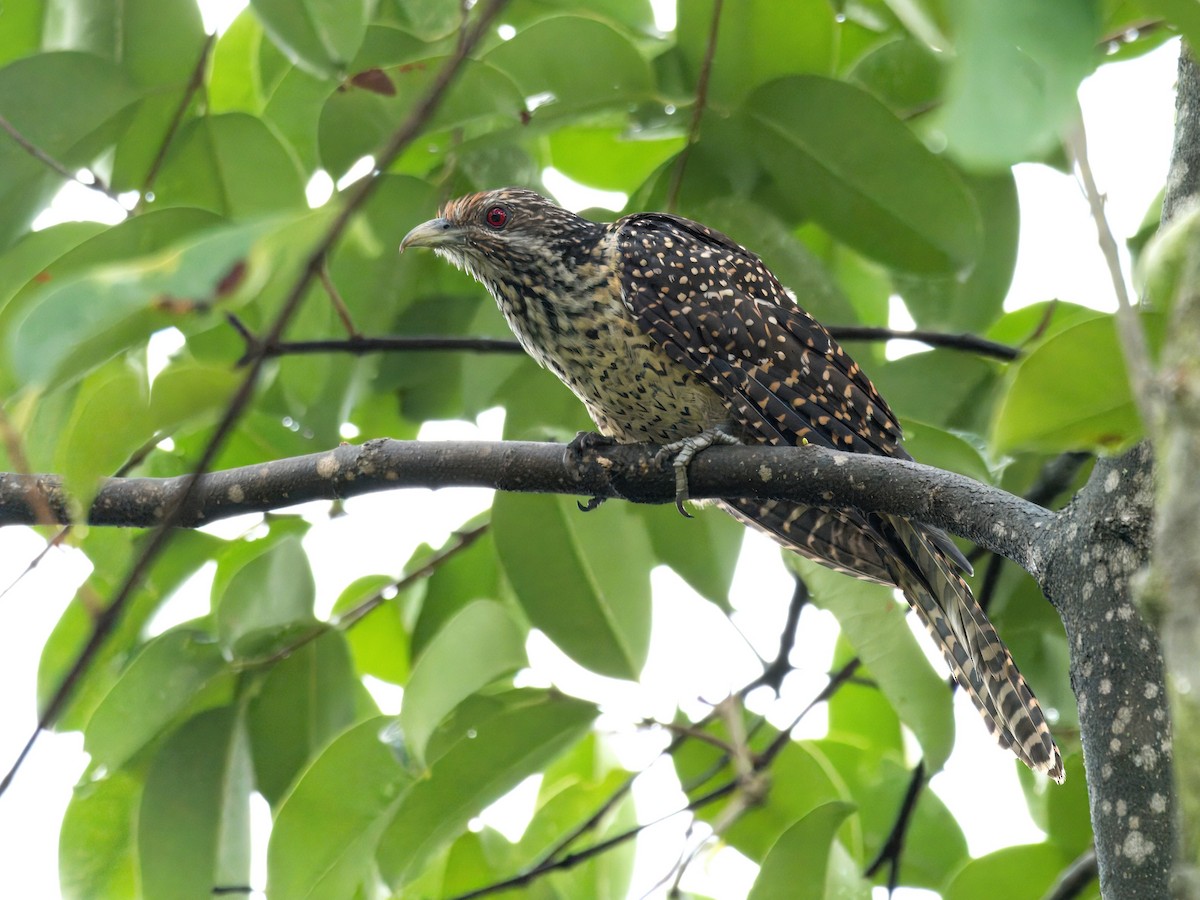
(234, 84)
(355, 122)
(903, 73)
(798, 864)
(97, 855)
(485, 749)
(80, 321)
(755, 44)
(301, 704)
(1072, 392)
(320, 35)
(561, 565)
(608, 158)
(191, 393)
(268, 602)
(965, 388)
(194, 820)
(22, 31)
(480, 644)
(470, 575)
(179, 671)
(823, 141)
(1183, 14)
(971, 304)
(702, 550)
(1025, 871)
(68, 105)
(111, 553)
(379, 642)
(616, 72)
(874, 624)
(936, 447)
(217, 163)
(1012, 82)
(325, 833)
(107, 424)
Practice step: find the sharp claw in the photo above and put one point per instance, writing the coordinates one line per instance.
(593, 503)
(683, 512)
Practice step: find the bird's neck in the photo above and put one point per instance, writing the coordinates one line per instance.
(552, 298)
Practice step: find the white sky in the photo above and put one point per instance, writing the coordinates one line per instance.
(1128, 110)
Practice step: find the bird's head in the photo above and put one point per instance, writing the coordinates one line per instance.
(508, 239)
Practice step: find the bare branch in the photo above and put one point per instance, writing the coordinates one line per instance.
(358, 345)
(987, 515)
(1129, 328)
(706, 65)
(53, 164)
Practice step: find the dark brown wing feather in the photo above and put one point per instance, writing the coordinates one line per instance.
(719, 312)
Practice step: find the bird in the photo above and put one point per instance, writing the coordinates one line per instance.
(672, 333)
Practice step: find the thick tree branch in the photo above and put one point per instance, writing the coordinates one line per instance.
(986, 515)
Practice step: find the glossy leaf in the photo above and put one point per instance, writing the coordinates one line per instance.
(268, 602)
(971, 304)
(483, 751)
(193, 828)
(1071, 392)
(616, 71)
(40, 97)
(321, 35)
(473, 649)
(82, 321)
(301, 704)
(179, 671)
(110, 554)
(797, 866)
(823, 141)
(325, 832)
(702, 550)
(1030, 868)
(755, 44)
(218, 163)
(560, 563)
(874, 624)
(379, 642)
(1011, 87)
(97, 849)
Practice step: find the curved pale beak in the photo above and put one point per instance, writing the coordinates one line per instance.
(434, 233)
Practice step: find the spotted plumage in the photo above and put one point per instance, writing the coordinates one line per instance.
(668, 330)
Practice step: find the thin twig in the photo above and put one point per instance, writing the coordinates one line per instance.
(970, 343)
(339, 305)
(158, 539)
(1072, 880)
(552, 862)
(778, 668)
(54, 165)
(893, 845)
(1129, 329)
(354, 615)
(358, 344)
(706, 65)
(195, 82)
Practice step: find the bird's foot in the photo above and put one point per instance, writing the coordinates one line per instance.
(588, 440)
(684, 451)
(578, 446)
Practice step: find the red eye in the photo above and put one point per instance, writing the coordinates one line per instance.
(496, 217)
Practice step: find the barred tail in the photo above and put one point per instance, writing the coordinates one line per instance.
(978, 659)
